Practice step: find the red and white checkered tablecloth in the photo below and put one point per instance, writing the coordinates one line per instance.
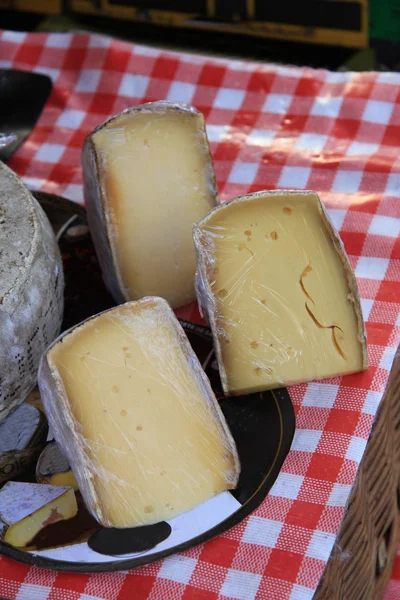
(269, 126)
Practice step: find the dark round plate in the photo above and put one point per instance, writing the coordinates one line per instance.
(262, 425)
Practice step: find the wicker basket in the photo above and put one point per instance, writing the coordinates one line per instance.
(361, 561)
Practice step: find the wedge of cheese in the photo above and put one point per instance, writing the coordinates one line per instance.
(27, 508)
(278, 291)
(53, 468)
(135, 415)
(31, 290)
(148, 176)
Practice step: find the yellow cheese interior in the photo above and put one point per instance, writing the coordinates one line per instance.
(21, 533)
(284, 309)
(67, 478)
(149, 438)
(156, 171)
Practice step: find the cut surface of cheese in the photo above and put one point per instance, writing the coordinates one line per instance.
(22, 437)
(136, 417)
(31, 289)
(27, 508)
(148, 177)
(279, 292)
(65, 478)
(53, 468)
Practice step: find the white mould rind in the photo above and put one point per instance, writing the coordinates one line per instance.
(31, 290)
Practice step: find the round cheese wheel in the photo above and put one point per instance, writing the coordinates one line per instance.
(31, 289)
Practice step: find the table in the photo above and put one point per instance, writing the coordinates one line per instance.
(269, 126)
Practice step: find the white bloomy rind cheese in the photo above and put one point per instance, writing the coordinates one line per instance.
(53, 468)
(134, 413)
(22, 437)
(31, 289)
(148, 176)
(27, 508)
(278, 291)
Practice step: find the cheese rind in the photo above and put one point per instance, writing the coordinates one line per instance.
(31, 290)
(278, 291)
(27, 508)
(148, 176)
(135, 415)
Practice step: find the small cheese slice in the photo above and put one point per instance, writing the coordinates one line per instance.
(27, 508)
(279, 292)
(31, 289)
(135, 415)
(22, 437)
(148, 177)
(53, 468)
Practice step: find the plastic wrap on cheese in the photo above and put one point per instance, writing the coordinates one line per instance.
(148, 176)
(134, 414)
(278, 291)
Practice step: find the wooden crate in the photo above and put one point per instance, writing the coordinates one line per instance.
(47, 7)
(363, 555)
(337, 22)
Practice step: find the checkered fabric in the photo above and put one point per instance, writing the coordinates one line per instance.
(269, 127)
